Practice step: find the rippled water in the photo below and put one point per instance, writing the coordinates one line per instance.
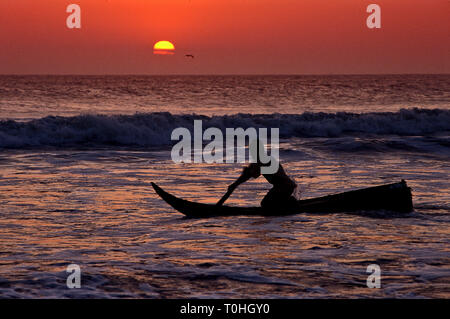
(93, 205)
(25, 97)
(97, 209)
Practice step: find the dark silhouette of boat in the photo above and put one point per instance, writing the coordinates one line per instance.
(394, 197)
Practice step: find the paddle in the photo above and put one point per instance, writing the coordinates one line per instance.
(231, 188)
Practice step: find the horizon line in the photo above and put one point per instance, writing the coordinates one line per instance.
(213, 74)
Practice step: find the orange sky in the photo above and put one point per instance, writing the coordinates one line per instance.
(226, 37)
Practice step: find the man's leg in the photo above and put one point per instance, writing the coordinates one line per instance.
(279, 200)
(270, 199)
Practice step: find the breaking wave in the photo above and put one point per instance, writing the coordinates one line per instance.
(154, 129)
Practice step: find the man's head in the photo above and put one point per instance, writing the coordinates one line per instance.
(258, 154)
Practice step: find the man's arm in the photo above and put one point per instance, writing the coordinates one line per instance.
(247, 173)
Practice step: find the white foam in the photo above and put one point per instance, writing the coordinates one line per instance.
(154, 129)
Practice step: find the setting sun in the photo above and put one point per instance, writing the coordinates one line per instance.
(163, 47)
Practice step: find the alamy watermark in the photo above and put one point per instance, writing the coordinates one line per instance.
(73, 21)
(74, 279)
(229, 149)
(374, 279)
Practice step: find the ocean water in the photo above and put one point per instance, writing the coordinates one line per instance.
(78, 154)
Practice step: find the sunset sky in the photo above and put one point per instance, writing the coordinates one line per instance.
(225, 36)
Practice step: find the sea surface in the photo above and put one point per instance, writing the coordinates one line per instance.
(78, 155)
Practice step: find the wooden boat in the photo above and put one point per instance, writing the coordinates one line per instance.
(394, 197)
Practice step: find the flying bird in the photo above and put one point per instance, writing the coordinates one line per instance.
(189, 56)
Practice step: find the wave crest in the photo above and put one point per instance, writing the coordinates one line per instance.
(154, 129)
